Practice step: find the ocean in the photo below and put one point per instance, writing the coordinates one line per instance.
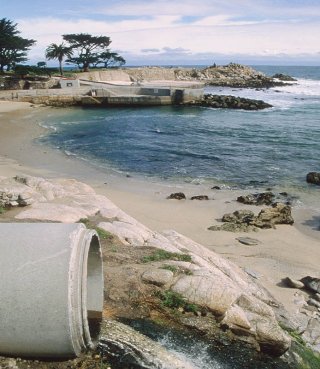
(275, 147)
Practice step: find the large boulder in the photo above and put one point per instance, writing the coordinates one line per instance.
(278, 214)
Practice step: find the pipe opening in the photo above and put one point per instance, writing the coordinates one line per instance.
(94, 289)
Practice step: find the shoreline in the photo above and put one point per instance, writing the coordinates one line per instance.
(287, 251)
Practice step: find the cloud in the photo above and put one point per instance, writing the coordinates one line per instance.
(150, 50)
(170, 30)
(175, 51)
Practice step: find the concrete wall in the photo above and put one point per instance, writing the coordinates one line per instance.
(106, 75)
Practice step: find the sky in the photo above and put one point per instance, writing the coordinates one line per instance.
(179, 32)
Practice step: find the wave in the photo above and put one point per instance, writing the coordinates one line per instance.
(307, 87)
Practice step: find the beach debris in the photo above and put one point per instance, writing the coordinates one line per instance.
(293, 283)
(177, 196)
(248, 241)
(313, 177)
(246, 221)
(200, 197)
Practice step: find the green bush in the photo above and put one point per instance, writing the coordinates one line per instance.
(2, 210)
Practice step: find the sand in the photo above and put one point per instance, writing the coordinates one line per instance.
(286, 251)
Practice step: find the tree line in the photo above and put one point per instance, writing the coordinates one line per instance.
(81, 49)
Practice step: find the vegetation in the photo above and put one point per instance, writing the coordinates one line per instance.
(308, 358)
(81, 49)
(58, 52)
(2, 209)
(172, 268)
(104, 235)
(13, 48)
(159, 255)
(91, 51)
(174, 300)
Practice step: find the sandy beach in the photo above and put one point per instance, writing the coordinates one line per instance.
(286, 251)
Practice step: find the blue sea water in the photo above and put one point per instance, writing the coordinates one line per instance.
(276, 146)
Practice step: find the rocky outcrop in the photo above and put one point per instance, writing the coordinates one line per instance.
(212, 282)
(246, 221)
(284, 77)
(230, 102)
(314, 178)
(264, 198)
(231, 75)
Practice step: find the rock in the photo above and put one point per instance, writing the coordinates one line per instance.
(312, 334)
(317, 297)
(236, 320)
(215, 284)
(248, 241)
(313, 302)
(230, 102)
(200, 197)
(252, 273)
(132, 349)
(177, 196)
(292, 283)
(264, 198)
(314, 178)
(233, 227)
(283, 77)
(211, 291)
(311, 283)
(246, 221)
(216, 188)
(278, 214)
(239, 216)
(158, 277)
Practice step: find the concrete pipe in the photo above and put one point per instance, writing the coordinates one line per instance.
(51, 289)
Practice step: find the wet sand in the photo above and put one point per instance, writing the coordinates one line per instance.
(286, 251)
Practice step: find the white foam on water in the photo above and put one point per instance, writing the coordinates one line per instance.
(306, 87)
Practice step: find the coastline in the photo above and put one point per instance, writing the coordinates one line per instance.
(286, 251)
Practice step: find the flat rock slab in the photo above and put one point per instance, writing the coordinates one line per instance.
(248, 241)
